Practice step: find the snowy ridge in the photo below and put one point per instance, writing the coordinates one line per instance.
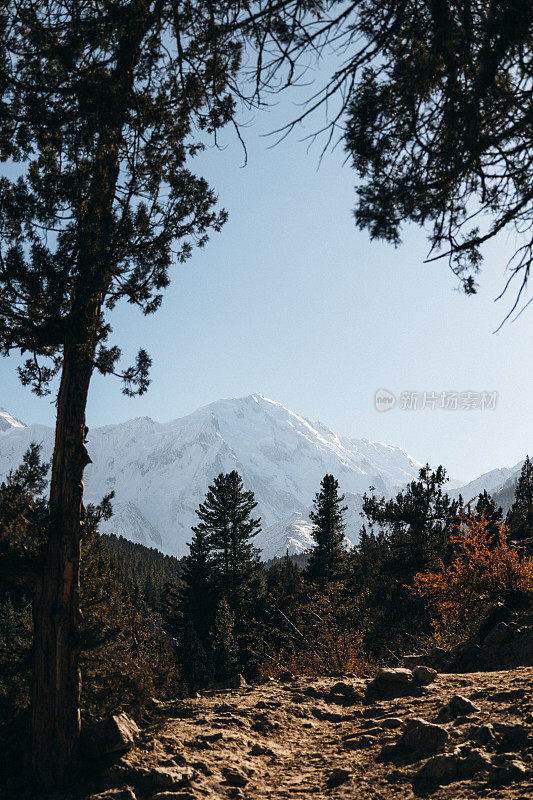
(160, 471)
(7, 422)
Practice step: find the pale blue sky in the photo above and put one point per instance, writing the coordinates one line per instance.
(292, 302)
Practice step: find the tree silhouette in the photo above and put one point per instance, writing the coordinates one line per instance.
(327, 557)
(102, 106)
(520, 516)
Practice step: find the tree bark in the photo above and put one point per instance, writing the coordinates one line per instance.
(56, 676)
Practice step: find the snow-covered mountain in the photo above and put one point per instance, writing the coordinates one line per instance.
(160, 471)
(7, 422)
(500, 483)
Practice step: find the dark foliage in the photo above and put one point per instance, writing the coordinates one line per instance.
(520, 516)
(400, 537)
(211, 611)
(327, 558)
(434, 102)
(493, 514)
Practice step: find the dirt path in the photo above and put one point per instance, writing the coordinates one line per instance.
(334, 738)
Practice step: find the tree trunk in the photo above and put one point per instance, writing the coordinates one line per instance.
(56, 676)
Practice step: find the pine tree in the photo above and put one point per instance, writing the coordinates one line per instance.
(327, 558)
(227, 524)
(225, 651)
(520, 516)
(196, 662)
(102, 107)
(493, 515)
(197, 604)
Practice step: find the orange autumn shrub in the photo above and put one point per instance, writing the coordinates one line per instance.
(481, 570)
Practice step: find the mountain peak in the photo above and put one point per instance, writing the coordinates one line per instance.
(8, 421)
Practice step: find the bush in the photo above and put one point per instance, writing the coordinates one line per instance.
(318, 636)
(481, 570)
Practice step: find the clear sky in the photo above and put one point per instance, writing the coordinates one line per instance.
(290, 301)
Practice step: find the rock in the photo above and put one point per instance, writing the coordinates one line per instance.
(484, 734)
(500, 634)
(168, 778)
(234, 777)
(344, 688)
(457, 706)
(391, 722)
(424, 675)
(236, 682)
(328, 716)
(419, 734)
(513, 734)
(337, 777)
(126, 793)
(462, 764)
(215, 736)
(261, 750)
(360, 742)
(513, 770)
(439, 769)
(116, 734)
(395, 675)
(471, 761)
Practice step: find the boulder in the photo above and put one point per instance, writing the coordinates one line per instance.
(441, 768)
(171, 778)
(513, 770)
(343, 688)
(389, 723)
(457, 706)
(395, 675)
(360, 742)
(115, 734)
(126, 793)
(424, 675)
(234, 777)
(513, 734)
(337, 777)
(236, 682)
(484, 734)
(420, 735)
(471, 761)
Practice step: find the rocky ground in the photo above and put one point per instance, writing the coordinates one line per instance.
(402, 735)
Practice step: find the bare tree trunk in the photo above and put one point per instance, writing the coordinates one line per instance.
(56, 676)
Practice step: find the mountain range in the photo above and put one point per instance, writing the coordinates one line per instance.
(160, 471)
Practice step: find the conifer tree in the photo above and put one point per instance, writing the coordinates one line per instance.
(493, 515)
(520, 516)
(227, 524)
(197, 601)
(102, 106)
(401, 536)
(195, 659)
(328, 556)
(225, 652)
